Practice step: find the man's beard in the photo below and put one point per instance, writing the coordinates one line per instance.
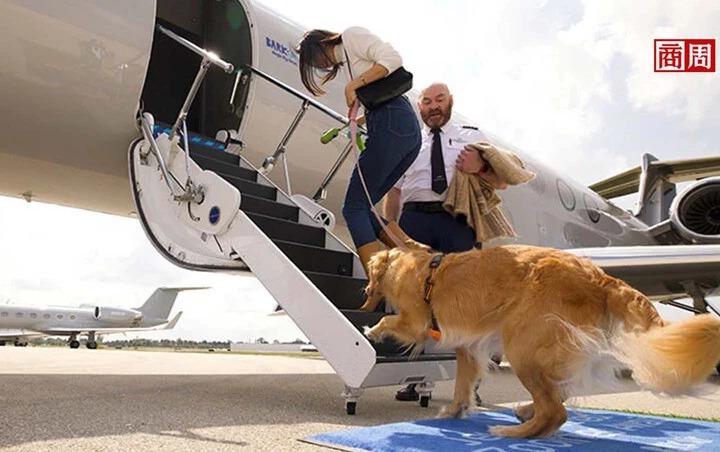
(437, 121)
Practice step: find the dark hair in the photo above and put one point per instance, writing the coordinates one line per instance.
(311, 48)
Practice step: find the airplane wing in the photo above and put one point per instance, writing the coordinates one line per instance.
(7, 333)
(660, 272)
(628, 181)
(166, 326)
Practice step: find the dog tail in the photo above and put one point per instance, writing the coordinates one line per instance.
(673, 358)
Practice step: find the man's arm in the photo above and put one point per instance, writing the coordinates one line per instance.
(470, 161)
(391, 207)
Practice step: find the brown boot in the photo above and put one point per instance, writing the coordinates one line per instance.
(396, 231)
(366, 251)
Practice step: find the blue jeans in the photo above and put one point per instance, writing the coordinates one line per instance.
(392, 145)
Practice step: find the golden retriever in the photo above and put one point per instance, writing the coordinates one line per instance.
(555, 314)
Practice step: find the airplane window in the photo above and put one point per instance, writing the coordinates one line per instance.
(59, 316)
(19, 314)
(4, 314)
(46, 316)
(567, 197)
(33, 315)
(592, 208)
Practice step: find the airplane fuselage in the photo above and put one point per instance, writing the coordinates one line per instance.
(74, 75)
(65, 321)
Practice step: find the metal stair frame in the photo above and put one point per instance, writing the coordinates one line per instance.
(245, 246)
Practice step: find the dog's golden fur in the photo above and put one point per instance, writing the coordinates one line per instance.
(552, 311)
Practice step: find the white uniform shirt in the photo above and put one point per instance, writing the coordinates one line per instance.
(365, 49)
(416, 184)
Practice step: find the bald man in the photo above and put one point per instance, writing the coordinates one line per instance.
(423, 188)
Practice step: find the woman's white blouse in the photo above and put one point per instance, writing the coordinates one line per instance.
(365, 49)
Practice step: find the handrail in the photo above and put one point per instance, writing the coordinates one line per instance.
(322, 107)
(213, 58)
(280, 151)
(150, 139)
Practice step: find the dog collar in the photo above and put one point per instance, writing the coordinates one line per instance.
(429, 284)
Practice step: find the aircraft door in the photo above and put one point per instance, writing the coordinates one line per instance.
(219, 26)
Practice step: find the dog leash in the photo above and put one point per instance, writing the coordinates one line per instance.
(429, 285)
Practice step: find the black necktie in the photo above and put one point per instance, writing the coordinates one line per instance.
(437, 164)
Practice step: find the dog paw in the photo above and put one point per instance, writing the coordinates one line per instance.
(453, 411)
(370, 334)
(525, 412)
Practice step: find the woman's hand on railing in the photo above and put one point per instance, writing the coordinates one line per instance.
(350, 93)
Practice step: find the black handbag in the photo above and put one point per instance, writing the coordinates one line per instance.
(384, 90)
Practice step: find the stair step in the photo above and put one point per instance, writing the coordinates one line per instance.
(223, 168)
(315, 259)
(288, 231)
(252, 204)
(200, 147)
(344, 292)
(251, 188)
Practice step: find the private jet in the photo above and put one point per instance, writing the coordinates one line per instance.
(19, 324)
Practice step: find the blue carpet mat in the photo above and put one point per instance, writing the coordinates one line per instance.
(586, 430)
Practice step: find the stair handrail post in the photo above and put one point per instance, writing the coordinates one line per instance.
(182, 115)
(320, 194)
(148, 135)
(269, 162)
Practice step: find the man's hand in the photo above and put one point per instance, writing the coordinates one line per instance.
(469, 161)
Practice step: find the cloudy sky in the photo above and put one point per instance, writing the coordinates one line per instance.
(570, 81)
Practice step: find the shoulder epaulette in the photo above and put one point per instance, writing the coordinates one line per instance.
(470, 127)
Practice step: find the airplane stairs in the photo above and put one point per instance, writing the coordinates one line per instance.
(237, 220)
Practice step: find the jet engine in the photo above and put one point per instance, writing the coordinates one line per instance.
(695, 213)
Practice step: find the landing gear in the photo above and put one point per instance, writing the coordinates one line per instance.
(91, 343)
(2, 343)
(425, 391)
(351, 396)
(73, 342)
(20, 344)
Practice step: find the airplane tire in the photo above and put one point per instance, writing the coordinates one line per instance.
(718, 368)
(424, 401)
(2, 343)
(350, 407)
(74, 344)
(92, 345)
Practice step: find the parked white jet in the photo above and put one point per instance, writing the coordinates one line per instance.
(18, 324)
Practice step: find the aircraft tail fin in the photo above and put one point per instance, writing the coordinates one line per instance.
(160, 303)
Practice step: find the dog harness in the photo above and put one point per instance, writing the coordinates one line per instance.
(429, 284)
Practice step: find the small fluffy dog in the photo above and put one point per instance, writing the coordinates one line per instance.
(557, 316)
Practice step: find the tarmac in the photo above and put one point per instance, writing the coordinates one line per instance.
(105, 400)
